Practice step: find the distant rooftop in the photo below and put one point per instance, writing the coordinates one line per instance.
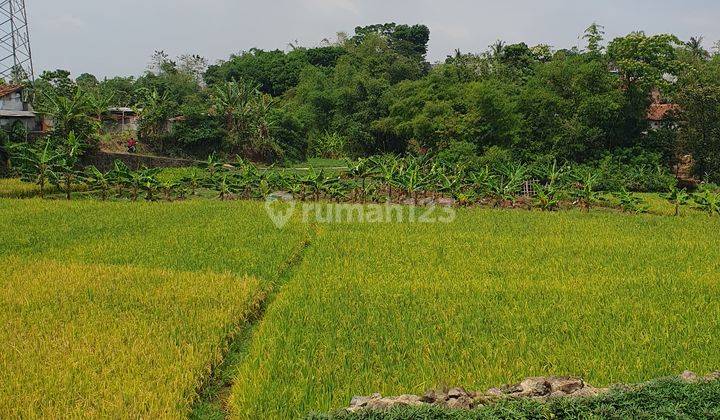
(8, 89)
(658, 112)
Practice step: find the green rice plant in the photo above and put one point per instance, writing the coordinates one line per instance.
(196, 236)
(112, 342)
(489, 299)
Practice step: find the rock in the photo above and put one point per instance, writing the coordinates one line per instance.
(408, 400)
(445, 202)
(494, 392)
(359, 401)
(376, 402)
(463, 402)
(379, 404)
(557, 394)
(713, 376)
(433, 397)
(534, 387)
(689, 376)
(565, 385)
(457, 393)
(538, 388)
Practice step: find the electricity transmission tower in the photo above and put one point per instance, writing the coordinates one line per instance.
(15, 54)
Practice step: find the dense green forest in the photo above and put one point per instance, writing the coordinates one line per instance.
(374, 92)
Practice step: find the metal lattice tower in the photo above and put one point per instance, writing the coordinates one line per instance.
(15, 54)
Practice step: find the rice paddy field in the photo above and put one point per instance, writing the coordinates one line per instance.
(493, 298)
(123, 309)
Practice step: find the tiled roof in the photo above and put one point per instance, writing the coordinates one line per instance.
(8, 89)
(658, 112)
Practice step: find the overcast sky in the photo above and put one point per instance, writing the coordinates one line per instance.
(110, 38)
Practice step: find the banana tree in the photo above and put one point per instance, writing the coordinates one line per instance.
(630, 203)
(708, 202)
(584, 189)
(386, 168)
(546, 197)
(677, 197)
(361, 169)
(213, 165)
(481, 182)
(137, 181)
(222, 183)
(193, 180)
(38, 164)
(314, 183)
(507, 185)
(168, 188)
(150, 184)
(410, 180)
(66, 174)
(98, 181)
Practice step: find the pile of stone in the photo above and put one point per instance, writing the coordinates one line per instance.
(540, 388)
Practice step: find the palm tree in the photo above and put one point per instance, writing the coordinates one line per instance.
(695, 45)
(497, 48)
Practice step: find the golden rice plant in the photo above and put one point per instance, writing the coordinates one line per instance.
(85, 340)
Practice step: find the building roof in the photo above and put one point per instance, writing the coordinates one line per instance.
(17, 114)
(8, 89)
(658, 112)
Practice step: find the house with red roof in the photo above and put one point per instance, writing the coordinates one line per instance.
(16, 107)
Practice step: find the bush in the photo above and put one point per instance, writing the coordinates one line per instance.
(459, 152)
(634, 171)
(328, 146)
(496, 157)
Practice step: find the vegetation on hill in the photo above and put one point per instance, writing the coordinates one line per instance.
(373, 92)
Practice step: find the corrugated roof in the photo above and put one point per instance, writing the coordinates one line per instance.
(8, 89)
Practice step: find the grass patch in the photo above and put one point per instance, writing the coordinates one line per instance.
(98, 341)
(493, 298)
